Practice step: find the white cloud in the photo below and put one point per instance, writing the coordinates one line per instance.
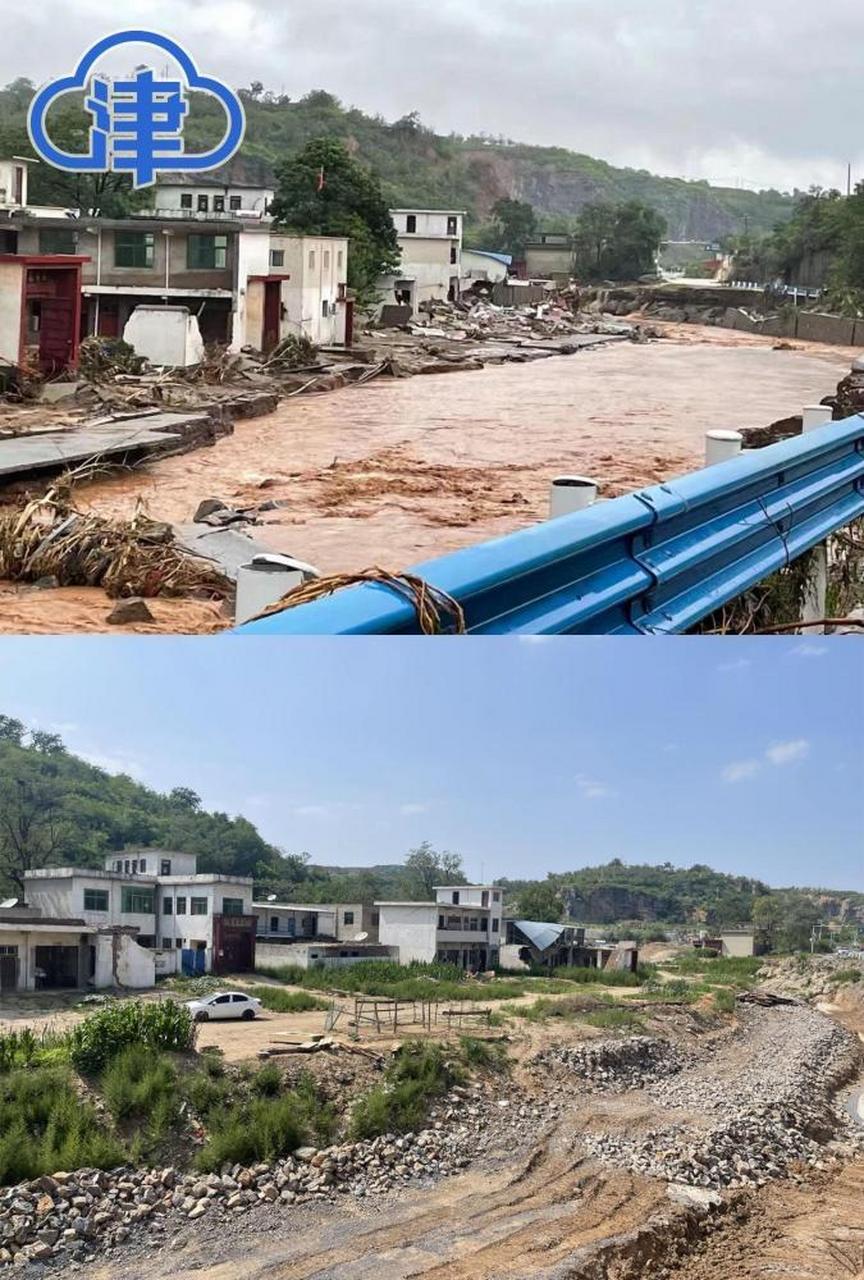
(810, 650)
(782, 753)
(312, 810)
(409, 810)
(591, 789)
(740, 664)
(741, 770)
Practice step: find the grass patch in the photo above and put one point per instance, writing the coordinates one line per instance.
(280, 1001)
(265, 1128)
(737, 971)
(484, 1055)
(420, 1073)
(414, 981)
(137, 1082)
(567, 1008)
(724, 1000)
(843, 976)
(614, 1019)
(46, 1126)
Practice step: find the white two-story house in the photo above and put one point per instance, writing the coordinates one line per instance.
(430, 241)
(462, 926)
(159, 895)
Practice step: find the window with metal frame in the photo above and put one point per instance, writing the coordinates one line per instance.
(133, 249)
(231, 906)
(95, 899)
(206, 252)
(198, 906)
(135, 900)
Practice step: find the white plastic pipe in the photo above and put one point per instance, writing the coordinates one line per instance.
(720, 446)
(571, 493)
(816, 415)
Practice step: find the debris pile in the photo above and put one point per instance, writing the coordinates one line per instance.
(614, 1066)
(72, 1216)
(775, 1111)
(49, 541)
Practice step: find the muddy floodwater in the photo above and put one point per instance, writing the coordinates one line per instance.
(399, 470)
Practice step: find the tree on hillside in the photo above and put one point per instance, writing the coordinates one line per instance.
(32, 830)
(323, 190)
(515, 224)
(540, 902)
(426, 868)
(617, 241)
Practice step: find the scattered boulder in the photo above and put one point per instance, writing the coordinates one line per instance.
(128, 611)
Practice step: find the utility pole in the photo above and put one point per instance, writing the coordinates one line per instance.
(849, 179)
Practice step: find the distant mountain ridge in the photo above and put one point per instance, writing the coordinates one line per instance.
(420, 168)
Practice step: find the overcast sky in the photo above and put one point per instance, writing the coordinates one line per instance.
(766, 93)
(522, 756)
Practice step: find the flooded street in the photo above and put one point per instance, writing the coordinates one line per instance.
(400, 470)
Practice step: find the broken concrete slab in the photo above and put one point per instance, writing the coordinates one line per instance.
(228, 548)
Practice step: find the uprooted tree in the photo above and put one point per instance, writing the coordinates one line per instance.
(324, 191)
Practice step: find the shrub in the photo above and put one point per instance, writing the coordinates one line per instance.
(267, 1081)
(24, 1048)
(136, 1081)
(162, 1024)
(420, 1073)
(45, 1126)
(287, 1001)
(206, 1092)
(483, 1055)
(265, 1129)
(848, 975)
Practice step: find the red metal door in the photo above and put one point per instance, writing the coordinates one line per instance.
(56, 334)
(272, 314)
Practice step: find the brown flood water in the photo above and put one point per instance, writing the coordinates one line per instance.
(398, 471)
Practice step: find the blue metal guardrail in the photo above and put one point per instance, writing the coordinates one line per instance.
(654, 562)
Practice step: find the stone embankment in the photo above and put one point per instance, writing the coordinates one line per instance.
(73, 1216)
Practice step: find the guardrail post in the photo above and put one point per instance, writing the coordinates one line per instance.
(814, 593)
(266, 579)
(571, 493)
(816, 415)
(720, 446)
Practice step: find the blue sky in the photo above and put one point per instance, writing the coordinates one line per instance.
(522, 756)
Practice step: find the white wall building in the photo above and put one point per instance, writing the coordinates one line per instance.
(295, 921)
(14, 174)
(161, 895)
(431, 268)
(209, 198)
(291, 285)
(462, 926)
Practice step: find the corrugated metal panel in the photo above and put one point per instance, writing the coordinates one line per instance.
(539, 935)
(653, 562)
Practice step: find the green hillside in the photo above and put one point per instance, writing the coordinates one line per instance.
(421, 168)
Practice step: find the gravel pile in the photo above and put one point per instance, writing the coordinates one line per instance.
(776, 1109)
(72, 1216)
(615, 1066)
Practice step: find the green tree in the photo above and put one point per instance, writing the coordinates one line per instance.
(323, 190)
(515, 223)
(31, 823)
(617, 242)
(540, 902)
(426, 868)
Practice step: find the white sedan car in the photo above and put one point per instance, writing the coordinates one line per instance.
(224, 1004)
